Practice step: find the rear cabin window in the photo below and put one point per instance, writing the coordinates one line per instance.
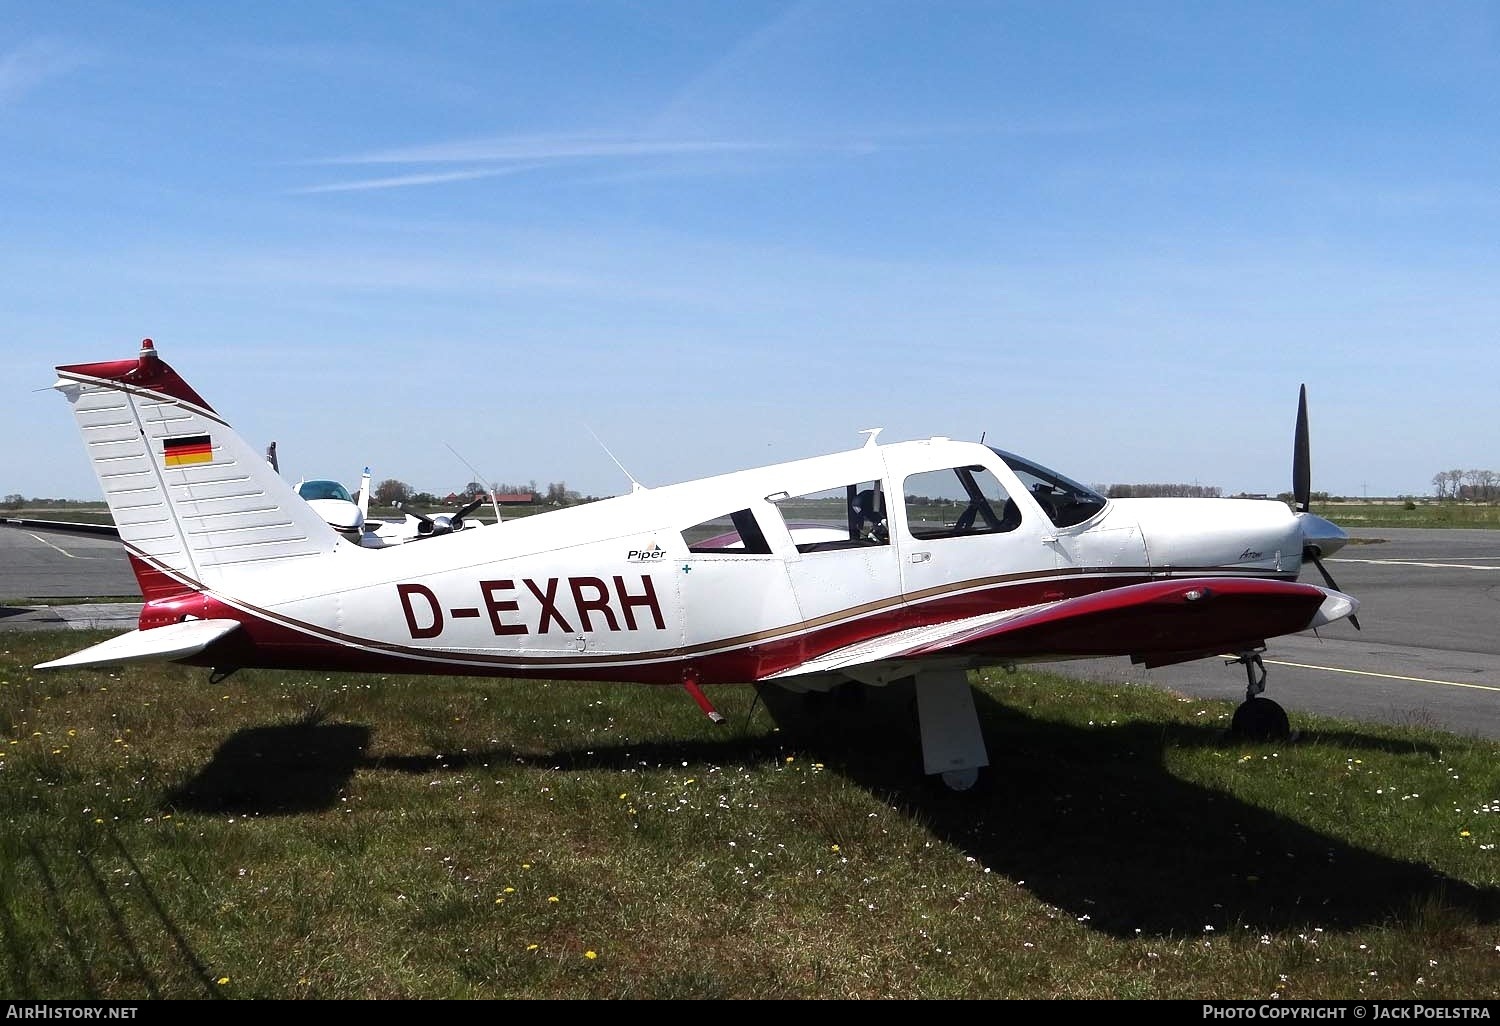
(734, 533)
(846, 517)
(958, 502)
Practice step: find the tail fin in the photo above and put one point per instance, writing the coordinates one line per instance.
(190, 498)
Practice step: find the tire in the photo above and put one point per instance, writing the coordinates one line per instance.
(1260, 719)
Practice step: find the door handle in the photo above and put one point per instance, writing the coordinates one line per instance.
(920, 557)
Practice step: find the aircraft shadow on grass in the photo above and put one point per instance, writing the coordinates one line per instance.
(1089, 818)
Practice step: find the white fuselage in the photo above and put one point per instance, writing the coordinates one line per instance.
(616, 584)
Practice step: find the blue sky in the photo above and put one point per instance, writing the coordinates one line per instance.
(1114, 237)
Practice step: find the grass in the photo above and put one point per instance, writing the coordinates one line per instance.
(284, 835)
(90, 514)
(1355, 515)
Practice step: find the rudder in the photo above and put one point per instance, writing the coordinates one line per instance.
(190, 498)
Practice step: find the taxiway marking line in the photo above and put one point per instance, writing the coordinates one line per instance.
(1385, 676)
(49, 545)
(1413, 562)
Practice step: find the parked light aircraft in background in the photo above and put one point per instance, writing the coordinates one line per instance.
(349, 515)
(920, 559)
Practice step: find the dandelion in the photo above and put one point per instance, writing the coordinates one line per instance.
(1463, 833)
(833, 847)
(591, 955)
(223, 980)
(531, 947)
(552, 900)
(509, 890)
(790, 760)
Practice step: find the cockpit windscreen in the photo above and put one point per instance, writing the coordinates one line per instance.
(1065, 502)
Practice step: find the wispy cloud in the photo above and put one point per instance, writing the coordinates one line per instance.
(27, 66)
(402, 181)
(540, 149)
(514, 154)
(726, 75)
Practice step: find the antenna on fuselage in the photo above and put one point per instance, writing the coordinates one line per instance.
(494, 502)
(635, 486)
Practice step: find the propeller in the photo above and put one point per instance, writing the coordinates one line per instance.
(1302, 457)
(431, 527)
(1317, 533)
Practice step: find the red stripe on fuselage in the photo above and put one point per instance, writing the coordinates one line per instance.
(272, 641)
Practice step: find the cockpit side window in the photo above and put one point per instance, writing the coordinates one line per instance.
(849, 516)
(1064, 501)
(958, 502)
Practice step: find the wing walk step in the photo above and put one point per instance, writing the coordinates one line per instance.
(888, 646)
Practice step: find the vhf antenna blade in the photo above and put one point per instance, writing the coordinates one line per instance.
(495, 503)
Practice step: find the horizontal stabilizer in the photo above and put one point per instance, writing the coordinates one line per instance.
(69, 526)
(175, 641)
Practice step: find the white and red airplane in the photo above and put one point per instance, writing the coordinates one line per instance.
(921, 559)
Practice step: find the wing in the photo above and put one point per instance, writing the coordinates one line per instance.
(1155, 623)
(175, 641)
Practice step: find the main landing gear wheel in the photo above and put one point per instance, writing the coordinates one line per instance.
(961, 780)
(1257, 718)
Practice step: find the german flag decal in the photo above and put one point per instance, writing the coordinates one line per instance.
(187, 450)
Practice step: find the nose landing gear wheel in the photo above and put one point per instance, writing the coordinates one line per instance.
(1257, 718)
(1260, 719)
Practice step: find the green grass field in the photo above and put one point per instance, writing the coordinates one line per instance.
(1355, 515)
(345, 836)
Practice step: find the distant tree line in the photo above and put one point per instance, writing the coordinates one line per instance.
(1152, 491)
(391, 491)
(15, 500)
(1466, 485)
